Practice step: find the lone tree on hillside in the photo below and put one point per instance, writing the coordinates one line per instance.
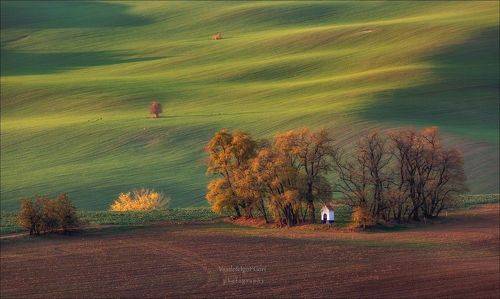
(155, 109)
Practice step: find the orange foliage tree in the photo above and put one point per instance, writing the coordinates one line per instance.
(287, 175)
(311, 154)
(140, 200)
(228, 156)
(281, 183)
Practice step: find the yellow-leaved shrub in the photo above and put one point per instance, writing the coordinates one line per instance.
(362, 218)
(140, 200)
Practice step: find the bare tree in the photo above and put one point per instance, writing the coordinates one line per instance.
(428, 174)
(447, 181)
(409, 175)
(364, 179)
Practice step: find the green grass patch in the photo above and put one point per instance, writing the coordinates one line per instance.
(9, 221)
(466, 201)
(342, 214)
(133, 218)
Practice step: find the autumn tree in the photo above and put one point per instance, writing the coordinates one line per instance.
(142, 199)
(414, 154)
(281, 183)
(251, 191)
(287, 175)
(311, 153)
(228, 155)
(49, 215)
(155, 109)
(65, 213)
(291, 174)
(447, 182)
(30, 215)
(362, 217)
(44, 214)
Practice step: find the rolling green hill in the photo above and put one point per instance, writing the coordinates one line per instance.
(77, 78)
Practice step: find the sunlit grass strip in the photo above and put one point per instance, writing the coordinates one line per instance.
(469, 200)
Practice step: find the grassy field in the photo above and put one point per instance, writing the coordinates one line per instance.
(8, 220)
(77, 78)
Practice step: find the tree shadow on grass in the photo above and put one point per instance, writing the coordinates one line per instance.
(16, 63)
(70, 14)
(463, 100)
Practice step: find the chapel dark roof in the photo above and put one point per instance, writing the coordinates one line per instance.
(329, 206)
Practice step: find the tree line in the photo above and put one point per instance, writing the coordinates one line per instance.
(399, 175)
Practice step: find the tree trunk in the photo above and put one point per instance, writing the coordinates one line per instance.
(416, 216)
(310, 204)
(237, 211)
(263, 207)
(290, 217)
(312, 211)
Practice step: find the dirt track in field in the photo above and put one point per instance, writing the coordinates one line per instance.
(459, 257)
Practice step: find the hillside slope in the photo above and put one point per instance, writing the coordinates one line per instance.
(77, 78)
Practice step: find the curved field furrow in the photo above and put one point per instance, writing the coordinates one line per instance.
(214, 260)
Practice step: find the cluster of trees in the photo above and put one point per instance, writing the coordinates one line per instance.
(403, 175)
(43, 215)
(280, 179)
(396, 176)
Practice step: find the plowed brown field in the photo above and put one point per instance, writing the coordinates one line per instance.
(458, 257)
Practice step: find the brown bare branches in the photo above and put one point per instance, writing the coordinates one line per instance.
(407, 175)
